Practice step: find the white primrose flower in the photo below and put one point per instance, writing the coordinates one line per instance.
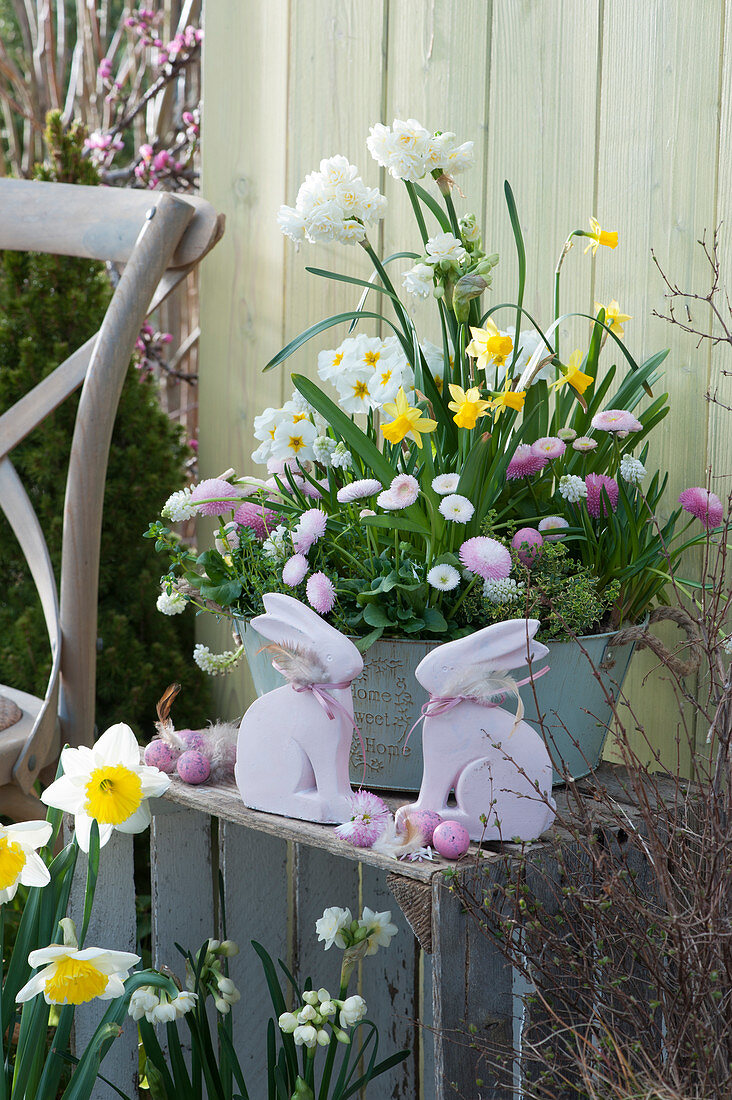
(392, 373)
(331, 925)
(330, 363)
(445, 250)
(572, 488)
(419, 281)
(632, 470)
(262, 454)
(72, 977)
(20, 863)
(503, 591)
(294, 439)
(179, 507)
(443, 577)
(106, 783)
(353, 1010)
(456, 508)
(215, 664)
(171, 603)
(381, 930)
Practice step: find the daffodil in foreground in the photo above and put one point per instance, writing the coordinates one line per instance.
(108, 784)
(508, 399)
(406, 420)
(467, 405)
(19, 860)
(614, 319)
(72, 977)
(600, 236)
(573, 376)
(489, 345)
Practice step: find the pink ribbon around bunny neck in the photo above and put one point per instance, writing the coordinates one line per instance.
(440, 704)
(331, 706)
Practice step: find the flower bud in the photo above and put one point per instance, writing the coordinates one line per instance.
(287, 1022)
(323, 995)
(323, 1037)
(306, 1014)
(226, 986)
(228, 948)
(468, 287)
(310, 997)
(222, 1006)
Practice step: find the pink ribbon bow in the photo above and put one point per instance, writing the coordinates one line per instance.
(440, 704)
(332, 707)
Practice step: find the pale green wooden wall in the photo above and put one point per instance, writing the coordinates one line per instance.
(619, 108)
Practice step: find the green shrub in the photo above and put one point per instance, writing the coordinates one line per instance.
(49, 305)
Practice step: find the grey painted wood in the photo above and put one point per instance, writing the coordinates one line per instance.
(320, 880)
(113, 926)
(182, 885)
(256, 888)
(473, 989)
(390, 987)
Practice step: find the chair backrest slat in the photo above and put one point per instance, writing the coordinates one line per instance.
(101, 223)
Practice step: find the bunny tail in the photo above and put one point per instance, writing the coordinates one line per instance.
(298, 665)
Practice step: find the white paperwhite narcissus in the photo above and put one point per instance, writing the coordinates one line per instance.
(331, 925)
(19, 860)
(353, 1009)
(106, 783)
(72, 977)
(381, 930)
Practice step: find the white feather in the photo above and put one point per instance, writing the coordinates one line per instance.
(297, 664)
(484, 684)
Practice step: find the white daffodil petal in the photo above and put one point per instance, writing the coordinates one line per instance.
(76, 761)
(118, 745)
(35, 872)
(45, 955)
(138, 821)
(31, 834)
(108, 962)
(63, 794)
(82, 825)
(115, 988)
(9, 893)
(32, 988)
(154, 782)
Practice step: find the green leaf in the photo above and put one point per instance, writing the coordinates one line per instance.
(375, 615)
(339, 278)
(397, 523)
(435, 208)
(434, 620)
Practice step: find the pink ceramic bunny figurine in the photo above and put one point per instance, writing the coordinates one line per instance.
(498, 765)
(294, 742)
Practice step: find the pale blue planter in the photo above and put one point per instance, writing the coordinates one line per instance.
(575, 713)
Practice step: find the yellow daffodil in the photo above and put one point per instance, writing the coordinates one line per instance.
(614, 319)
(467, 405)
(600, 236)
(489, 346)
(508, 399)
(406, 420)
(73, 977)
(573, 376)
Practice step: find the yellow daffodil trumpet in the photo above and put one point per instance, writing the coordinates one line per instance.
(467, 405)
(600, 236)
(407, 420)
(614, 319)
(489, 345)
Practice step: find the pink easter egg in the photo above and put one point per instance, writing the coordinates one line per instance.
(193, 767)
(527, 542)
(192, 739)
(426, 821)
(158, 754)
(451, 839)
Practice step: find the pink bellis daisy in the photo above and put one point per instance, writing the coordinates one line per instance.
(487, 557)
(369, 817)
(215, 496)
(550, 446)
(615, 420)
(527, 542)
(702, 504)
(552, 527)
(596, 483)
(294, 570)
(358, 490)
(259, 519)
(583, 443)
(524, 463)
(320, 591)
(446, 483)
(405, 489)
(309, 528)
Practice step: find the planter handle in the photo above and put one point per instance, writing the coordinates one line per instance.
(644, 639)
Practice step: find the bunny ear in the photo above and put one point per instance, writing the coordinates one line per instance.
(288, 621)
(503, 646)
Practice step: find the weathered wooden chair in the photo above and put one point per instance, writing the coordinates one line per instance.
(158, 238)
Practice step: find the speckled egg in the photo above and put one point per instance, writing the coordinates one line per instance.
(193, 767)
(426, 821)
(192, 739)
(158, 754)
(451, 839)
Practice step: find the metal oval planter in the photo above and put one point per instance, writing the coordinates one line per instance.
(387, 699)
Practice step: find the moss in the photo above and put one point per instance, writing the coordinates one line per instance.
(49, 305)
